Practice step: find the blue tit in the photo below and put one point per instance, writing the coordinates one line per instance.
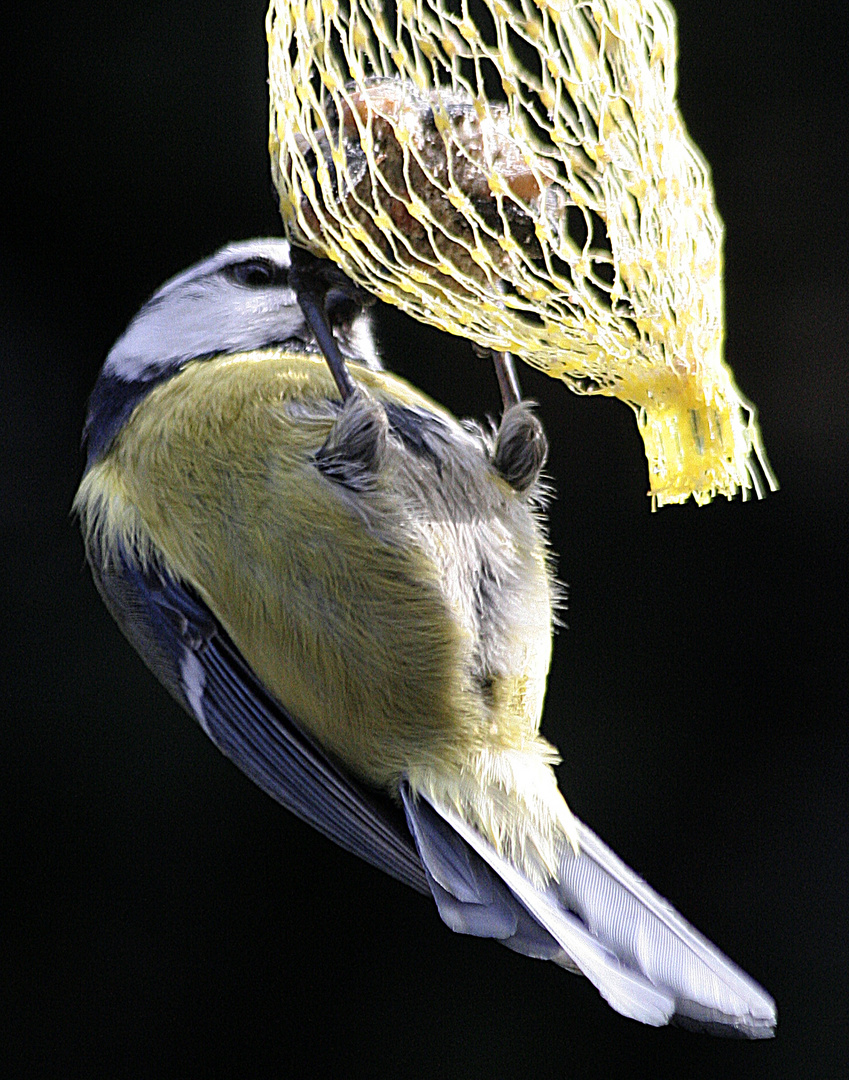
(352, 595)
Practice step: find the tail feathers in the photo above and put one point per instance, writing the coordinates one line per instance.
(471, 898)
(598, 918)
(628, 916)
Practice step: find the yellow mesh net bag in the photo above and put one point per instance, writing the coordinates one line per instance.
(517, 172)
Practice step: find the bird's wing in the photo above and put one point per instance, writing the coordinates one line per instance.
(599, 918)
(187, 649)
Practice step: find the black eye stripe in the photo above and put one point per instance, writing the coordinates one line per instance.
(256, 273)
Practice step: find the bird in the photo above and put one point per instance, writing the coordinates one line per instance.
(352, 593)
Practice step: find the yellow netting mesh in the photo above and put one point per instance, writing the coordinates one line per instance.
(517, 172)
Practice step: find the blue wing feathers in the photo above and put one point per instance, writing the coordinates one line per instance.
(166, 623)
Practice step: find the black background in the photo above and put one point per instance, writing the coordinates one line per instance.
(166, 918)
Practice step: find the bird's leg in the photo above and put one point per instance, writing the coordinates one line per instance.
(521, 446)
(508, 383)
(312, 279)
(505, 372)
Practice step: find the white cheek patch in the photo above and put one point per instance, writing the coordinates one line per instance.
(132, 367)
(193, 679)
(206, 318)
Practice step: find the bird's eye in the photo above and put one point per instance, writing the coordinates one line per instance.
(256, 273)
